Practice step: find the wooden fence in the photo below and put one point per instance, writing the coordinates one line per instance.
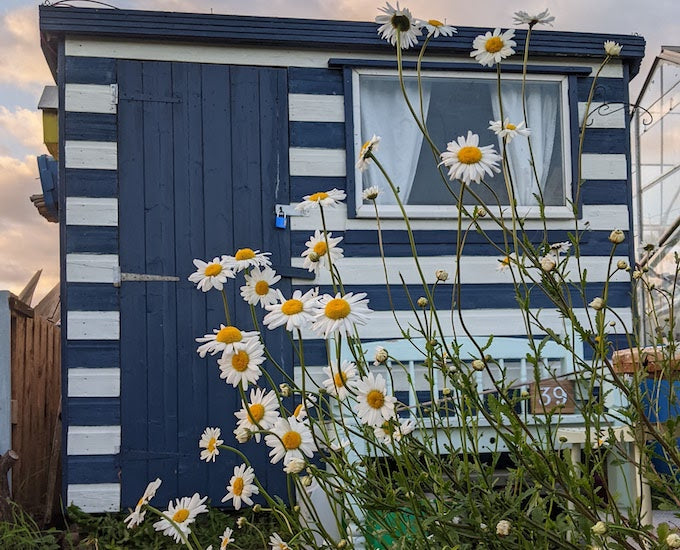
(35, 410)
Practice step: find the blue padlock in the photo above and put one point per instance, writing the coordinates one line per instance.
(280, 221)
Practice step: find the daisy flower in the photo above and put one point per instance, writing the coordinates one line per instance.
(289, 439)
(258, 287)
(183, 513)
(300, 412)
(241, 486)
(321, 198)
(210, 441)
(225, 539)
(341, 313)
(370, 193)
(137, 515)
(240, 364)
(319, 247)
(388, 431)
(437, 28)
(223, 339)
(294, 313)
(247, 257)
(375, 406)
(469, 162)
(295, 466)
(341, 380)
(277, 543)
(491, 48)
(508, 130)
(612, 48)
(524, 18)
(400, 23)
(260, 414)
(366, 151)
(505, 263)
(212, 274)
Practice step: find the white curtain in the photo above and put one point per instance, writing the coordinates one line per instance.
(384, 113)
(542, 120)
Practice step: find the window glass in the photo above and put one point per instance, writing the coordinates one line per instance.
(452, 106)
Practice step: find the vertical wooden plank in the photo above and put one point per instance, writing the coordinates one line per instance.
(18, 370)
(189, 244)
(133, 350)
(219, 198)
(161, 333)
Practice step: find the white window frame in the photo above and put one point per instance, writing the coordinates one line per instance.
(450, 211)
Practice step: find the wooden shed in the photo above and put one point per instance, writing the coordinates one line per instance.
(182, 136)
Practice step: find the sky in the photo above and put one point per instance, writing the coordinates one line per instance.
(28, 242)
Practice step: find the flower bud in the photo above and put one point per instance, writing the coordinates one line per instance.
(597, 303)
(295, 466)
(313, 257)
(242, 434)
(673, 540)
(524, 394)
(441, 275)
(600, 528)
(381, 355)
(296, 508)
(481, 212)
(342, 543)
(622, 264)
(478, 364)
(503, 528)
(547, 263)
(637, 274)
(446, 391)
(257, 508)
(612, 48)
(422, 302)
(306, 481)
(617, 236)
(240, 522)
(284, 390)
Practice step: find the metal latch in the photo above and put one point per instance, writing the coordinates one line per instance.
(289, 211)
(119, 277)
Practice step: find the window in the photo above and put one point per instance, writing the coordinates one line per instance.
(454, 103)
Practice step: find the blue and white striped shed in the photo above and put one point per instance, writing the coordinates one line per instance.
(179, 137)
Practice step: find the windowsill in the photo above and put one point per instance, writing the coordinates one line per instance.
(392, 211)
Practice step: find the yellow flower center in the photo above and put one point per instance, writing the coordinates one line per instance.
(212, 270)
(291, 440)
(435, 23)
(298, 410)
(291, 307)
(340, 378)
(237, 486)
(211, 445)
(244, 254)
(261, 288)
(469, 154)
(320, 248)
(510, 126)
(240, 360)
(337, 308)
(494, 44)
(140, 502)
(400, 22)
(375, 399)
(180, 515)
(387, 428)
(316, 197)
(506, 261)
(256, 412)
(229, 335)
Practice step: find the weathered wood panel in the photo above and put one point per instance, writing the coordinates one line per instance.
(36, 389)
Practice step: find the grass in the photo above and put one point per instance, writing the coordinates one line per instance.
(81, 531)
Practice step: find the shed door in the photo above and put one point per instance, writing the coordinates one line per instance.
(203, 159)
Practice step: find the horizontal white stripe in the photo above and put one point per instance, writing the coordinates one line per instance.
(91, 211)
(480, 322)
(612, 115)
(317, 162)
(91, 268)
(272, 57)
(316, 108)
(102, 155)
(102, 382)
(95, 498)
(93, 440)
(604, 167)
(473, 270)
(598, 217)
(90, 98)
(93, 325)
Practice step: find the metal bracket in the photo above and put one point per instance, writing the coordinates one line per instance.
(114, 94)
(119, 278)
(289, 210)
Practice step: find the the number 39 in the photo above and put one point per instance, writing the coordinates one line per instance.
(556, 394)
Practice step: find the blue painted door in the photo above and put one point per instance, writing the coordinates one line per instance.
(203, 159)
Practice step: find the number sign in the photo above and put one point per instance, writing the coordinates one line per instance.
(552, 396)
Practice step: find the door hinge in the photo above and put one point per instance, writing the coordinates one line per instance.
(119, 277)
(114, 94)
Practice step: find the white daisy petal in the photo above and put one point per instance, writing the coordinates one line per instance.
(295, 313)
(319, 247)
(493, 47)
(183, 513)
(367, 149)
(340, 381)
(260, 414)
(523, 18)
(223, 338)
(210, 441)
(226, 538)
(398, 22)
(340, 314)
(137, 515)
(277, 543)
(467, 161)
(321, 198)
(212, 274)
(258, 287)
(290, 439)
(508, 130)
(241, 487)
(240, 363)
(436, 28)
(247, 257)
(374, 405)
